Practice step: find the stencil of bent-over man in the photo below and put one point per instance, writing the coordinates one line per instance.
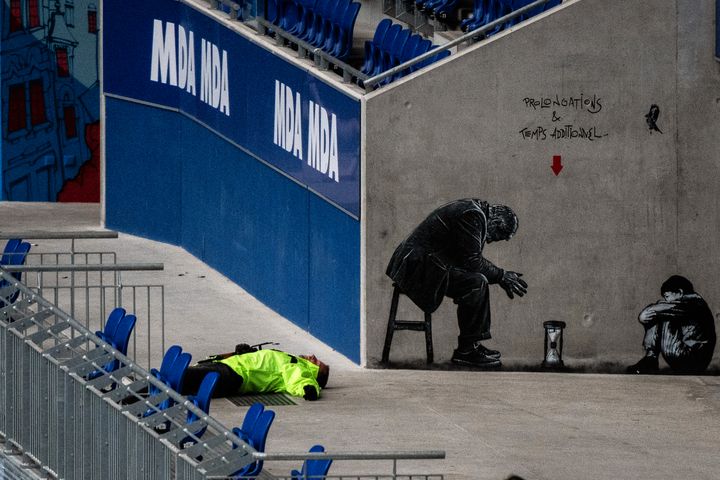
(680, 326)
(443, 257)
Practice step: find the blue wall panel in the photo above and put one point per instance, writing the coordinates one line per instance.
(254, 222)
(143, 171)
(286, 246)
(334, 254)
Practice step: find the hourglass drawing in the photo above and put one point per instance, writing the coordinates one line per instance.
(553, 344)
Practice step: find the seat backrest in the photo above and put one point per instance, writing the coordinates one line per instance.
(316, 468)
(251, 417)
(347, 25)
(18, 258)
(338, 11)
(168, 360)
(271, 11)
(348, 21)
(207, 387)
(389, 38)
(326, 9)
(257, 441)
(424, 45)
(9, 250)
(261, 429)
(177, 372)
(113, 321)
(399, 42)
(409, 49)
(381, 30)
(121, 338)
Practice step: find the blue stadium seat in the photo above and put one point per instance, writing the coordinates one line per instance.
(120, 341)
(342, 42)
(257, 441)
(372, 48)
(172, 371)
(384, 54)
(111, 324)
(305, 16)
(166, 366)
(201, 400)
(408, 52)
(443, 11)
(289, 15)
(313, 469)
(424, 45)
(9, 250)
(17, 256)
(323, 10)
(482, 12)
(272, 11)
(251, 417)
(331, 19)
(395, 51)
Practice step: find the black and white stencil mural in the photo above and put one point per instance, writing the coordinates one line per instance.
(680, 327)
(443, 257)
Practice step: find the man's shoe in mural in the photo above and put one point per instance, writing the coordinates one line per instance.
(646, 365)
(486, 351)
(476, 358)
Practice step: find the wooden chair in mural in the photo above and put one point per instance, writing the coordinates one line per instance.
(394, 324)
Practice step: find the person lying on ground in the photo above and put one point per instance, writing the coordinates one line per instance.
(260, 371)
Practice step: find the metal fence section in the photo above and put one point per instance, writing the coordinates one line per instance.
(89, 292)
(62, 410)
(68, 415)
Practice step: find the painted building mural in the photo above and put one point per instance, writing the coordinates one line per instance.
(50, 101)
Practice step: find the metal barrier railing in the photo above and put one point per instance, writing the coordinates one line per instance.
(61, 410)
(59, 407)
(89, 292)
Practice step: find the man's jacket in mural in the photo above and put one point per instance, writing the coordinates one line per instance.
(451, 237)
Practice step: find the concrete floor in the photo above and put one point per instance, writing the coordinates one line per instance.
(490, 424)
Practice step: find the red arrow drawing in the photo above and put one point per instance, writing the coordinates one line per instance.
(557, 164)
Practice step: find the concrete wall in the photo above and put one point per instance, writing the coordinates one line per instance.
(698, 146)
(630, 207)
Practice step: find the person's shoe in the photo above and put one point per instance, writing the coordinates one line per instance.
(488, 352)
(475, 358)
(646, 365)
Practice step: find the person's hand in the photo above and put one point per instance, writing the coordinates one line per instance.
(310, 393)
(513, 284)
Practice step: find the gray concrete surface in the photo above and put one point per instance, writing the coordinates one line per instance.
(630, 207)
(540, 426)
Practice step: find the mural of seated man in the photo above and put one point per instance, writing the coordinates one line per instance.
(680, 326)
(443, 257)
(247, 370)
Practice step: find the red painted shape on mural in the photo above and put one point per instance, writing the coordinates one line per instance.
(557, 164)
(85, 187)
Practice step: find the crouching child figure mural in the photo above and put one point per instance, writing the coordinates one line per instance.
(680, 326)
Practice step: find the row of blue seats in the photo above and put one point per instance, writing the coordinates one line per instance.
(14, 253)
(486, 11)
(392, 45)
(253, 430)
(483, 12)
(325, 24)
